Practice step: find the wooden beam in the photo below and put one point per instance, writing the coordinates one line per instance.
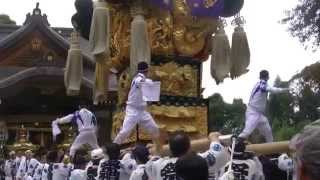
(201, 145)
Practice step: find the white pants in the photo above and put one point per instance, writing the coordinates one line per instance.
(133, 117)
(84, 137)
(255, 120)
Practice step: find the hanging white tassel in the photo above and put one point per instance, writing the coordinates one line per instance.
(220, 57)
(74, 67)
(99, 40)
(240, 52)
(140, 47)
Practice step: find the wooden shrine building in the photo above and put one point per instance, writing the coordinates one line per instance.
(32, 92)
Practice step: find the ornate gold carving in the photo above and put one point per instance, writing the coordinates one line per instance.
(68, 139)
(120, 37)
(192, 120)
(23, 144)
(190, 33)
(169, 33)
(160, 27)
(176, 80)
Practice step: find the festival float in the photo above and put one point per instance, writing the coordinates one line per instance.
(174, 37)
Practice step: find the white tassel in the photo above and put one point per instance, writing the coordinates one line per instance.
(240, 52)
(99, 40)
(74, 68)
(220, 57)
(140, 47)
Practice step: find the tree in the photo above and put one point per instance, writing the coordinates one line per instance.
(225, 117)
(280, 106)
(304, 22)
(217, 112)
(5, 19)
(307, 92)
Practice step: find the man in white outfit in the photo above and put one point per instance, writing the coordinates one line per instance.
(10, 167)
(136, 112)
(86, 123)
(141, 155)
(245, 165)
(112, 168)
(255, 114)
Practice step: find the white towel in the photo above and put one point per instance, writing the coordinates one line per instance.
(55, 129)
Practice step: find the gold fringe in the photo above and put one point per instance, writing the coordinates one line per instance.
(100, 90)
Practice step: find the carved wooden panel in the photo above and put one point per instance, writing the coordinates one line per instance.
(34, 49)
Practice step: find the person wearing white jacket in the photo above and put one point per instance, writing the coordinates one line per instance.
(141, 155)
(24, 165)
(87, 125)
(163, 168)
(10, 167)
(136, 112)
(216, 156)
(255, 114)
(244, 165)
(112, 168)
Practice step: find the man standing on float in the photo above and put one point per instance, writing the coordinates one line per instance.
(255, 114)
(86, 122)
(136, 112)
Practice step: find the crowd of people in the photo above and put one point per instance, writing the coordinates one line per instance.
(219, 162)
(139, 163)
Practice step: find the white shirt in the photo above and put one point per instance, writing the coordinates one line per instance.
(38, 172)
(10, 167)
(139, 173)
(217, 156)
(259, 94)
(45, 171)
(61, 171)
(116, 169)
(250, 169)
(33, 165)
(84, 119)
(78, 174)
(161, 168)
(135, 97)
(22, 170)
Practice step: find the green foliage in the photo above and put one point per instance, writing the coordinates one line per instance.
(283, 131)
(225, 117)
(5, 19)
(304, 22)
(280, 105)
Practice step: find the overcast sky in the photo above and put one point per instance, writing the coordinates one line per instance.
(272, 47)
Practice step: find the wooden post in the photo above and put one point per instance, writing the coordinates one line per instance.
(41, 139)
